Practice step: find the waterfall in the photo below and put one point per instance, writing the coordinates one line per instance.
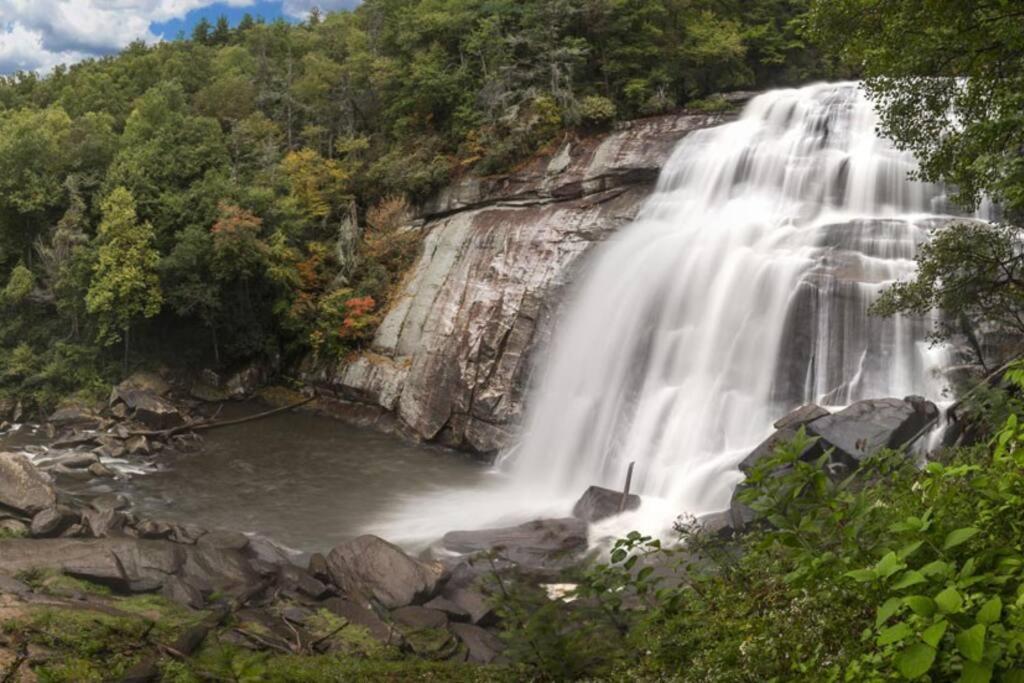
(739, 293)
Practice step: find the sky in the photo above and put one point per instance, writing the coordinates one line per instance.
(36, 35)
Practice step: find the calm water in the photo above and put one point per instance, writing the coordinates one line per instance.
(305, 481)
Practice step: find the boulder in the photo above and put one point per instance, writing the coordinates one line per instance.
(52, 521)
(76, 460)
(138, 445)
(114, 562)
(483, 646)
(146, 381)
(110, 501)
(803, 415)
(243, 383)
(867, 427)
(415, 617)
(104, 524)
(295, 580)
(544, 543)
(182, 592)
(22, 486)
(149, 408)
(224, 540)
(75, 415)
(356, 614)
(599, 503)
(452, 610)
(372, 567)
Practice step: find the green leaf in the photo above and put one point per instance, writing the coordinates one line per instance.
(920, 605)
(971, 643)
(909, 549)
(977, 673)
(618, 555)
(911, 577)
(889, 565)
(933, 634)
(893, 634)
(862, 575)
(955, 538)
(990, 611)
(949, 601)
(937, 568)
(915, 660)
(887, 609)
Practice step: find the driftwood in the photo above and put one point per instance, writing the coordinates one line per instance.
(204, 425)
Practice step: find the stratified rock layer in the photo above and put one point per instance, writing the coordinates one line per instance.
(452, 357)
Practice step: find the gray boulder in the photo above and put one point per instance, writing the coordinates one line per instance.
(599, 503)
(372, 567)
(416, 617)
(52, 521)
(75, 416)
(148, 407)
(359, 615)
(541, 544)
(786, 428)
(867, 427)
(23, 487)
(483, 646)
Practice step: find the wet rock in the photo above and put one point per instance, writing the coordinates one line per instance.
(374, 568)
(76, 460)
(110, 501)
(267, 551)
(138, 445)
(545, 543)
(803, 415)
(866, 427)
(53, 521)
(187, 533)
(599, 503)
(75, 415)
(102, 471)
(484, 647)
(115, 562)
(152, 529)
(210, 569)
(22, 486)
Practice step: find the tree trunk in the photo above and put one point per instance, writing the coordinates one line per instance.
(127, 332)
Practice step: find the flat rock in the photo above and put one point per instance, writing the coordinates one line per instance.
(867, 427)
(372, 567)
(22, 486)
(75, 416)
(450, 608)
(599, 503)
(483, 646)
(803, 415)
(544, 543)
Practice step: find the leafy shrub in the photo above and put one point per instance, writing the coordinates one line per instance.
(597, 111)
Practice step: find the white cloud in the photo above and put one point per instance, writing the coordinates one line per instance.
(39, 34)
(300, 8)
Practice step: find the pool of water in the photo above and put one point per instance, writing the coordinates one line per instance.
(305, 481)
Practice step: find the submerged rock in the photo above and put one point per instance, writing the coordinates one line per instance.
(374, 568)
(599, 503)
(541, 544)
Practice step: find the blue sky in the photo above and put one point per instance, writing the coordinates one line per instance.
(36, 35)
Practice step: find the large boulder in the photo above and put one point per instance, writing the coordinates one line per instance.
(541, 544)
(483, 646)
(148, 407)
(373, 568)
(23, 487)
(75, 415)
(867, 427)
(786, 428)
(599, 503)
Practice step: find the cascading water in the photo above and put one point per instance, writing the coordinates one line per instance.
(741, 292)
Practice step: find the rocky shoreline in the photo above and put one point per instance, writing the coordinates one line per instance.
(436, 607)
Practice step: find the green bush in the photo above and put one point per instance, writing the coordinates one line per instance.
(597, 111)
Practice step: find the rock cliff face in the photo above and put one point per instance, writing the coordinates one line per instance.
(452, 358)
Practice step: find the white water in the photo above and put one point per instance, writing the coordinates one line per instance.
(740, 293)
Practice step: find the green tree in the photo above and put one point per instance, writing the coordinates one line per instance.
(125, 285)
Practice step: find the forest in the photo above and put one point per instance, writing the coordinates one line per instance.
(238, 195)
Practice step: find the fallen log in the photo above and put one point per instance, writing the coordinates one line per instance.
(205, 425)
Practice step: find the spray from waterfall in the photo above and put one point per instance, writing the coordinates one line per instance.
(740, 292)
